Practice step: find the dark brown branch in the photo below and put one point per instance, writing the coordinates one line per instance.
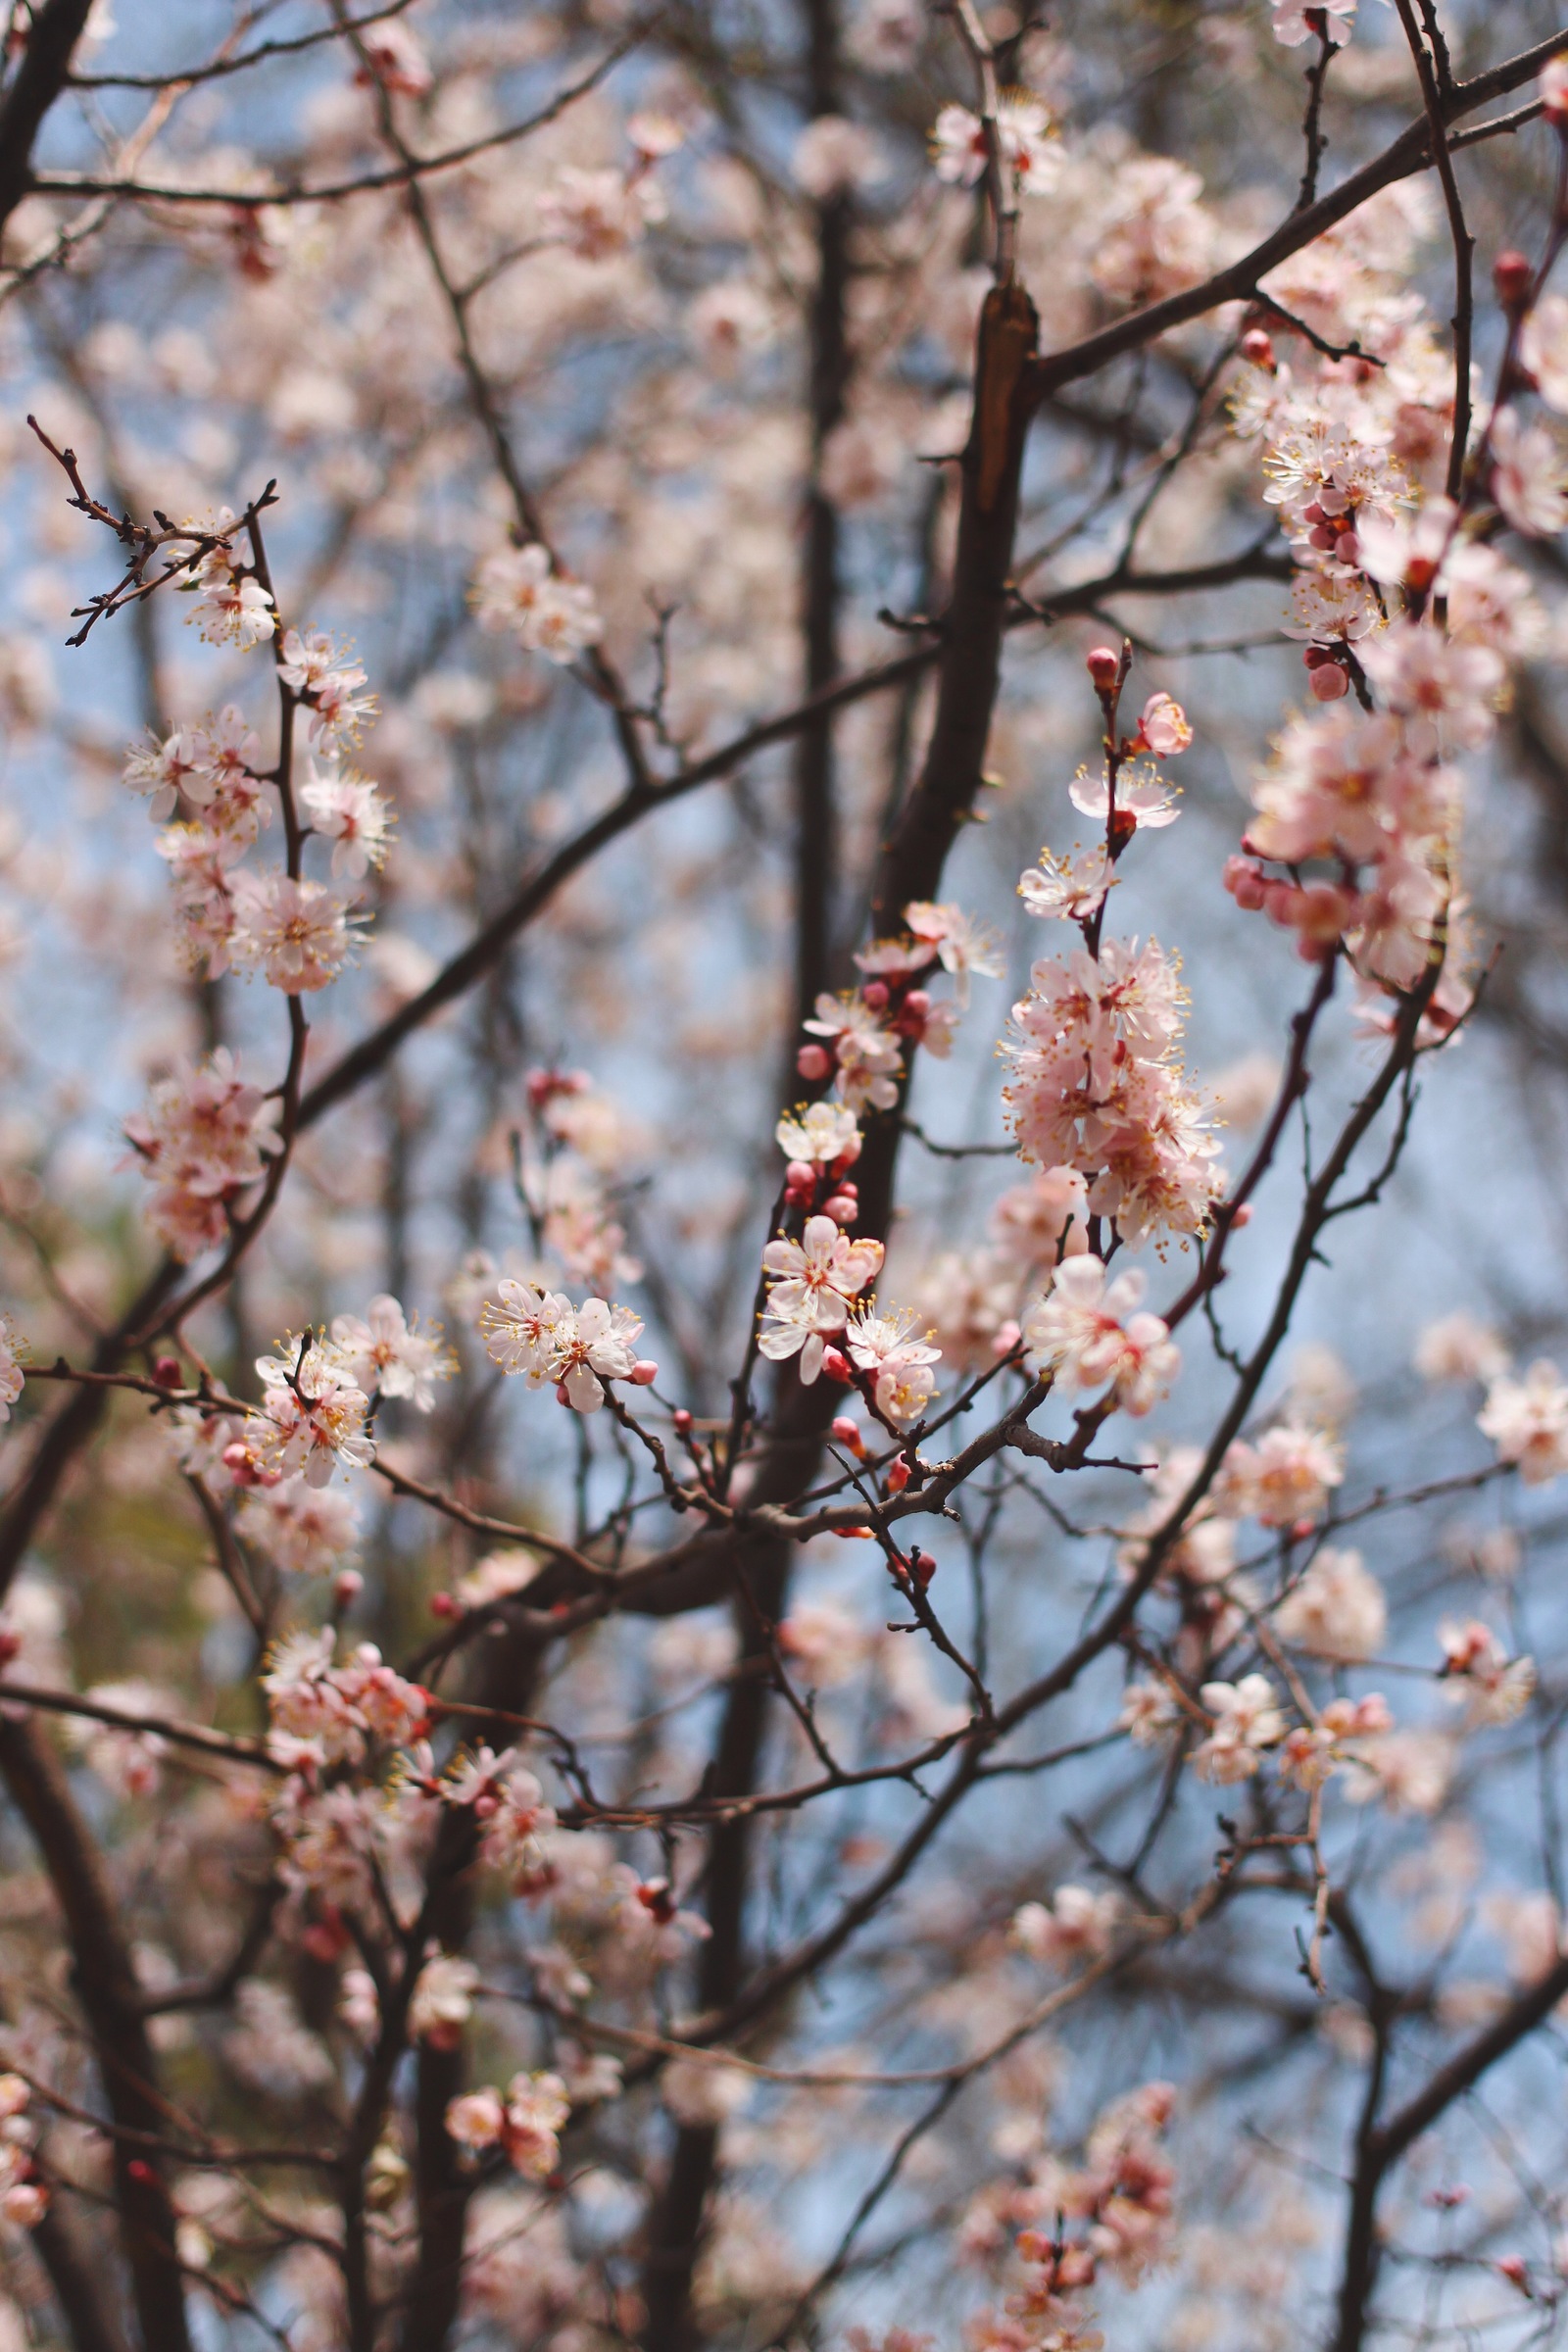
(38, 80)
(104, 1983)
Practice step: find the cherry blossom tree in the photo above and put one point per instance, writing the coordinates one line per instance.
(740, 1603)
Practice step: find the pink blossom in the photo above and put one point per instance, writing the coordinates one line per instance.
(1143, 798)
(1529, 476)
(1165, 727)
(387, 1353)
(1527, 1420)
(520, 591)
(1088, 1333)
(296, 932)
(1292, 27)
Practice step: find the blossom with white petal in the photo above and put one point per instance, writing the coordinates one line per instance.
(1527, 1420)
(387, 1353)
(1244, 1721)
(1338, 1609)
(812, 1283)
(1293, 21)
(1145, 801)
(962, 945)
(348, 810)
(1088, 1334)
(317, 1410)
(596, 1347)
(820, 1135)
(296, 932)
(1060, 888)
(1075, 1925)
(1479, 1670)
(1283, 1480)
(880, 1344)
(442, 2002)
(518, 590)
(232, 605)
(520, 1326)
(960, 152)
(1529, 478)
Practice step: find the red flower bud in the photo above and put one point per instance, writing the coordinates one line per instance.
(1258, 348)
(917, 1004)
(836, 1367)
(875, 994)
(1513, 276)
(167, 1372)
(813, 1063)
(141, 2172)
(443, 1604)
(898, 1477)
(1102, 664)
(682, 1421)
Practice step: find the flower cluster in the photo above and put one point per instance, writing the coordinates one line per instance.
(867, 1029)
(232, 607)
(1112, 2215)
(1399, 592)
(203, 1138)
(510, 1803)
(1090, 1334)
(525, 2125)
(296, 931)
(578, 1349)
(325, 1714)
(517, 591)
(1095, 1084)
(961, 148)
(813, 1282)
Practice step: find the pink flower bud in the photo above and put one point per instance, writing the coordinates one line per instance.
(681, 1421)
(1513, 276)
(898, 1477)
(917, 1004)
(843, 1208)
(813, 1063)
(237, 1462)
(875, 994)
(800, 1176)
(1243, 1216)
(1512, 2266)
(347, 1586)
(1257, 347)
(644, 1372)
(847, 1434)
(167, 1372)
(1246, 883)
(1103, 664)
(1329, 684)
(1314, 656)
(836, 1366)
(563, 1392)
(443, 1604)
